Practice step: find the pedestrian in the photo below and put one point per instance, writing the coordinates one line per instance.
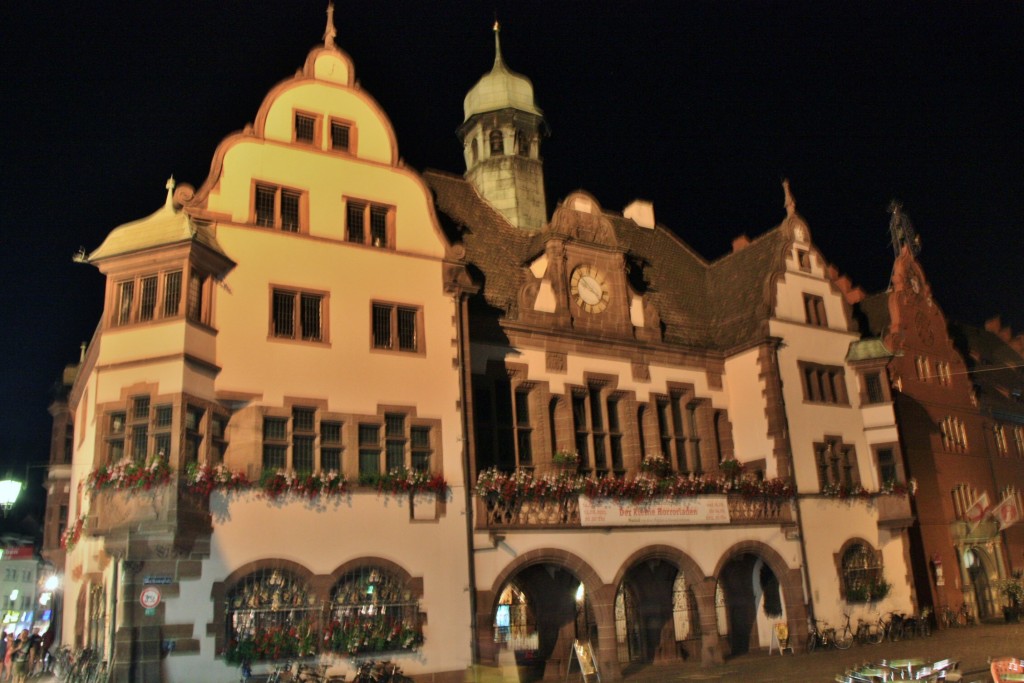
(19, 657)
(3, 653)
(48, 637)
(35, 645)
(8, 651)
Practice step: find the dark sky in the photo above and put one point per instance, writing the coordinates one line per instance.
(699, 107)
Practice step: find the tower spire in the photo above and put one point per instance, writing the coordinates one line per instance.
(330, 31)
(497, 44)
(790, 203)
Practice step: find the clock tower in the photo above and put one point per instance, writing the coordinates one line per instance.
(500, 137)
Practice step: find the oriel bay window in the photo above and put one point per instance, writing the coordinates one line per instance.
(297, 314)
(147, 297)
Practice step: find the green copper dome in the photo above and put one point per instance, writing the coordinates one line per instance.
(500, 89)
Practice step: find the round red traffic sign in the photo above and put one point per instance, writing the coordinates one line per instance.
(149, 597)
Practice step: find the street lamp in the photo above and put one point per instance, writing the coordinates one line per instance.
(9, 490)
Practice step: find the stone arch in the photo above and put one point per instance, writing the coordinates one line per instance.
(703, 588)
(790, 583)
(219, 591)
(600, 596)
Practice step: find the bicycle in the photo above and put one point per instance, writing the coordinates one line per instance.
(823, 637)
(955, 618)
(844, 636)
(869, 632)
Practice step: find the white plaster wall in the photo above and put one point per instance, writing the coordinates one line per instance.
(747, 410)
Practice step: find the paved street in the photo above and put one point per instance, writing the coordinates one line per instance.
(971, 646)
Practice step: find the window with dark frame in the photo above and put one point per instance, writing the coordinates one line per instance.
(340, 136)
(303, 440)
(394, 441)
(615, 435)
(139, 426)
(873, 388)
(524, 428)
(219, 438)
(193, 432)
(369, 450)
(275, 443)
(147, 297)
(814, 310)
(368, 223)
(395, 328)
(420, 444)
(493, 423)
(305, 128)
(330, 445)
(277, 207)
(837, 464)
(581, 430)
(163, 417)
(297, 315)
(888, 473)
(824, 383)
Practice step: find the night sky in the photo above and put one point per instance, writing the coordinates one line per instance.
(700, 107)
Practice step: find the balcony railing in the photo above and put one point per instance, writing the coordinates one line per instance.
(522, 513)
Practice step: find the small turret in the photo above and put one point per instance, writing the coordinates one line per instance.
(501, 142)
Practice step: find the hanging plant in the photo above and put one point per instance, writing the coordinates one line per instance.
(127, 474)
(73, 534)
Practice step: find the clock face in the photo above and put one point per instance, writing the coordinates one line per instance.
(588, 288)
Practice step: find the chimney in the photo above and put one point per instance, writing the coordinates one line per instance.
(642, 213)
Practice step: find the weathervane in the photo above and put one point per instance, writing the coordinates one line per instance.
(902, 230)
(330, 31)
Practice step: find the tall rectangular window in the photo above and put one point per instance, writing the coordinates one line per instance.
(305, 128)
(493, 422)
(303, 440)
(163, 416)
(147, 298)
(395, 327)
(420, 442)
(278, 207)
(297, 315)
(139, 418)
(368, 223)
(275, 443)
(581, 429)
(330, 445)
(193, 432)
(172, 293)
(887, 470)
(814, 310)
(196, 290)
(524, 428)
(693, 438)
(598, 432)
(615, 436)
(369, 450)
(1018, 439)
(873, 388)
(123, 306)
(394, 441)
(341, 134)
(837, 464)
(999, 431)
(219, 438)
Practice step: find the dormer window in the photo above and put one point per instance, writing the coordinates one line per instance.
(803, 259)
(277, 207)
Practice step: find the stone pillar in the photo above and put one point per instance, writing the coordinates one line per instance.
(603, 604)
(710, 642)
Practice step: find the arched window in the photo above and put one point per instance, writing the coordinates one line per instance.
(863, 577)
(497, 143)
(372, 610)
(271, 614)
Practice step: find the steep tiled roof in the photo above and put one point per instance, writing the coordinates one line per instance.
(874, 310)
(739, 293)
(715, 305)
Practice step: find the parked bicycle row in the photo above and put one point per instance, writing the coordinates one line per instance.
(893, 626)
(80, 666)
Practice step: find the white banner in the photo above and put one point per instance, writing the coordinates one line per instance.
(657, 512)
